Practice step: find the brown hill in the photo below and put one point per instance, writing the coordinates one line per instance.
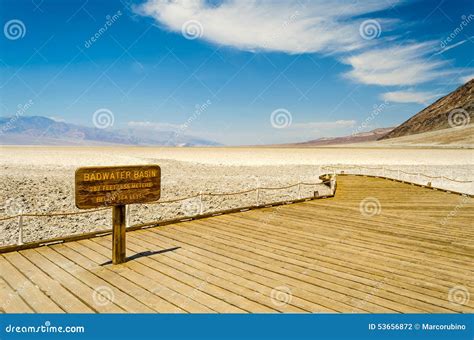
(453, 110)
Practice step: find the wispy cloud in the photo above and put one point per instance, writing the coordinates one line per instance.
(465, 79)
(396, 65)
(147, 125)
(409, 96)
(324, 125)
(450, 47)
(317, 26)
(294, 26)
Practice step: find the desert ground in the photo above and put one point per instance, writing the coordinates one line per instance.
(41, 179)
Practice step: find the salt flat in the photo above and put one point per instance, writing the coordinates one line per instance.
(80, 156)
(41, 179)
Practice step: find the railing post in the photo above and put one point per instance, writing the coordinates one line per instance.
(20, 229)
(333, 185)
(200, 204)
(299, 191)
(257, 196)
(127, 215)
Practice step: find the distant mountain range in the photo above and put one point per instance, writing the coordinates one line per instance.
(355, 138)
(453, 113)
(38, 130)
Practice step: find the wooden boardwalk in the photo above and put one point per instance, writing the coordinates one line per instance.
(378, 246)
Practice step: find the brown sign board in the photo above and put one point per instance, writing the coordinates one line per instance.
(117, 185)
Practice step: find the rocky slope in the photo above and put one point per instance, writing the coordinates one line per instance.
(451, 111)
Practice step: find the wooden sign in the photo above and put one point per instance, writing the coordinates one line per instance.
(117, 185)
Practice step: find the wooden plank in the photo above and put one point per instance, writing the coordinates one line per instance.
(73, 284)
(305, 245)
(213, 275)
(116, 276)
(113, 291)
(52, 288)
(201, 291)
(10, 299)
(163, 289)
(267, 272)
(37, 300)
(393, 244)
(268, 242)
(271, 259)
(220, 269)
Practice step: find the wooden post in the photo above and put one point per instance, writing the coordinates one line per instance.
(20, 230)
(299, 190)
(201, 208)
(257, 196)
(118, 234)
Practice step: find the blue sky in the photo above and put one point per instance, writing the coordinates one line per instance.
(237, 72)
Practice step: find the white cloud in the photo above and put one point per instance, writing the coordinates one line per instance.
(146, 125)
(307, 26)
(324, 125)
(465, 79)
(57, 119)
(396, 65)
(293, 26)
(409, 96)
(450, 47)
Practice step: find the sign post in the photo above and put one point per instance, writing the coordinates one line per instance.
(116, 187)
(118, 234)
